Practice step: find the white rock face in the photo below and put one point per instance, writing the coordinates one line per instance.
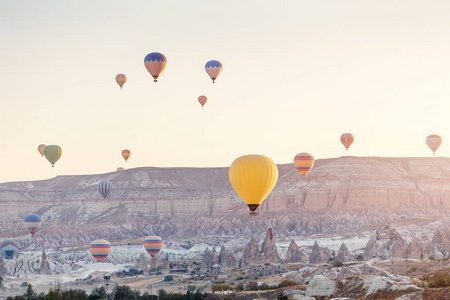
(321, 286)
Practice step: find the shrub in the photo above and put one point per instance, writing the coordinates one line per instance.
(337, 263)
(285, 283)
(360, 258)
(252, 286)
(168, 278)
(220, 287)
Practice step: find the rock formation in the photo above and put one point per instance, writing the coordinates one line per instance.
(215, 256)
(142, 262)
(441, 241)
(294, 254)
(269, 249)
(386, 243)
(252, 255)
(207, 260)
(414, 250)
(343, 254)
(227, 259)
(316, 256)
(45, 265)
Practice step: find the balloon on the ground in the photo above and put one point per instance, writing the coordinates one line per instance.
(304, 163)
(126, 154)
(153, 245)
(434, 141)
(120, 169)
(9, 249)
(32, 223)
(121, 79)
(41, 148)
(213, 68)
(52, 153)
(202, 100)
(347, 139)
(104, 187)
(253, 177)
(155, 63)
(100, 249)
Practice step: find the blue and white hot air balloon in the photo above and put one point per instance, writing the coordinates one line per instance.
(213, 68)
(9, 249)
(104, 187)
(32, 222)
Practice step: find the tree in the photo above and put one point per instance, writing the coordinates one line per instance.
(124, 292)
(29, 292)
(337, 263)
(252, 286)
(98, 293)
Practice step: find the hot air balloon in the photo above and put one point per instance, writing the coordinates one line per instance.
(153, 244)
(304, 163)
(213, 68)
(41, 148)
(155, 63)
(347, 139)
(52, 153)
(120, 169)
(253, 177)
(32, 222)
(104, 187)
(100, 249)
(121, 79)
(434, 142)
(126, 154)
(202, 100)
(9, 248)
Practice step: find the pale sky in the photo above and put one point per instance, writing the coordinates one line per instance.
(296, 75)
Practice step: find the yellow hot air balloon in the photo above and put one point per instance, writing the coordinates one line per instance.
(52, 153)
(126, 154)
(121, 79)
(434, 142)
(304, 163)
(202, 100)
(253, 177)
(41, 148)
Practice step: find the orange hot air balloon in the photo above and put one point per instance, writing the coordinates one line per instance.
(434, 142)
(304, 163)
(100, 249)
(202, 100)
(41, 148)
(121, 79)
(126, 154)
(347, 139)
(155, 63)
(153, 245)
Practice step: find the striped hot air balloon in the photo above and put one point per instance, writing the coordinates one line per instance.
(202, 100)
(153, 245)
(9, 248)
(41, 148)
(104, 187)
(213, 68)
(155, 63)
(100, 249)
(52, 153)
(347, 139)
(434, 141)
(121, 79)
(32, 222)
(304, 163)
(126, 154)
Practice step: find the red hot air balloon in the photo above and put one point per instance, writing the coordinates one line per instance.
(347, 139)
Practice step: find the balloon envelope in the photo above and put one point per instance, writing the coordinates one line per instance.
(32, 223)
(120, 169)
(121, 79)
(100, 249)
(347, 139)
(304, 163)
(434, 141)
(213, 68)
(126, 154)
(52, 153)
(41, 148)
(153, 245)
(202, 100)
(9, 248)
(104, 188)
(155, 63)
(253, 177)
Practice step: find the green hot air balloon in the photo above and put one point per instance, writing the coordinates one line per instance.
(52, 153)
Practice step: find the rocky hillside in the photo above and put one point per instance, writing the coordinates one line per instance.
(193, 203)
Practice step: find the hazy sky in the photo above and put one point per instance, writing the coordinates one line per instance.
(297, 74)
